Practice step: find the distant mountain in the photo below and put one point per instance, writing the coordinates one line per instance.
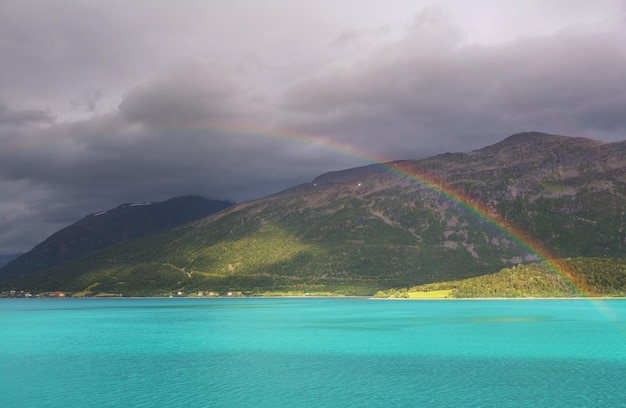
(5, 259)
(105, 228)
(377, 227)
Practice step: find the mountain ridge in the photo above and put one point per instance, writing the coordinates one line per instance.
(361, 230)
(104, 228)
(5, 259)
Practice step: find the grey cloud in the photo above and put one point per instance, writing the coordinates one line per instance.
(23, 224)
(54, 48)
(11, 117)
(166, 138)
(428, 90)
(187, 93)
(51, 46)
(87, 100)
(367, 36)
(348, 37)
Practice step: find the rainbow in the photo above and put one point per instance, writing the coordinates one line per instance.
(478, 210)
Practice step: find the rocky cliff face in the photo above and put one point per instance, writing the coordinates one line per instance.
(568, 193)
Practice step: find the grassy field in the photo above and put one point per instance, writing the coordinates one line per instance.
(433, 294)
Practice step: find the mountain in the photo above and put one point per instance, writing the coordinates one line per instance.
(5, 259)
(105, 228)
(391, 225)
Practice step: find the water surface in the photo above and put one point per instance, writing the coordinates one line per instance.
(312, 352)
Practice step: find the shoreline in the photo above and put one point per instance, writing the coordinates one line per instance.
(321, 297)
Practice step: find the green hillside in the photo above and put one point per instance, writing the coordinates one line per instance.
(594, 277)
(256, 256)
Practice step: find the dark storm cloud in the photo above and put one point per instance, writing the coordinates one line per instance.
(430, 92)
(186, 94)
(117, 161)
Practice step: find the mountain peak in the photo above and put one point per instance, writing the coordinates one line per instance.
(536, 147)
(534, 138)
(532, 135)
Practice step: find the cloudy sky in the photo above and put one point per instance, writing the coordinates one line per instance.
(104, 102)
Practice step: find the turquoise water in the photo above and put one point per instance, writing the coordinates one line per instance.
(312, 353)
